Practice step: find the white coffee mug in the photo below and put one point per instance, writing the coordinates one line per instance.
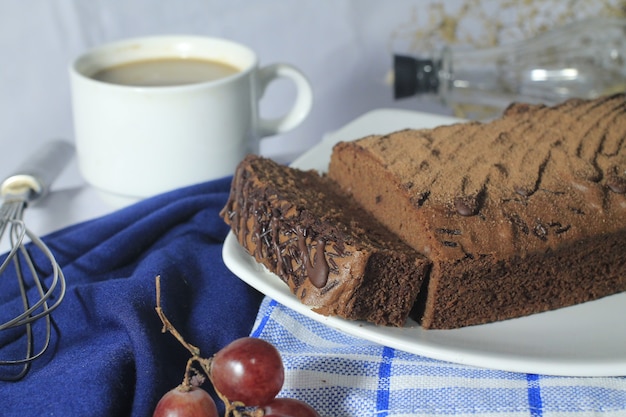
(134, 142)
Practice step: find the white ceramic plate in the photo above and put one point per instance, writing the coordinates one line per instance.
(584, 340)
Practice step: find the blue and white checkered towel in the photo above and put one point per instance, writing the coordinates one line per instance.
(341, 375)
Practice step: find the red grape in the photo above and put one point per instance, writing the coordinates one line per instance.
(289, 407)
(180, 402)
(248, 370)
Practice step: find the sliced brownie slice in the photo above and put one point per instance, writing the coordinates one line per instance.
(333, 255)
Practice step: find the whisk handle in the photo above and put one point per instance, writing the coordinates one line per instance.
(33, 178)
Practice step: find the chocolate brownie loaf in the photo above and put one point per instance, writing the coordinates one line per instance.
(332, 254)
(520, 215)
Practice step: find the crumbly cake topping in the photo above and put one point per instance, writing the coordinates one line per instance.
(520, 183)
(260, 203)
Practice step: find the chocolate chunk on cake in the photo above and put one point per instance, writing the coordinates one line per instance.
(333, 255)
(520, 215)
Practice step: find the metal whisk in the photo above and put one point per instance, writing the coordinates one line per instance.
(41, 291)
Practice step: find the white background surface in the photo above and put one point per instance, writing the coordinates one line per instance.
(344, 46)
(341, 45)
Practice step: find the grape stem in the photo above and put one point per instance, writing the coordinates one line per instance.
(233, 409)
(167, 325)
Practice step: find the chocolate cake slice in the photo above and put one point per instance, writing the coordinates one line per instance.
(333, 255)
(520, 215)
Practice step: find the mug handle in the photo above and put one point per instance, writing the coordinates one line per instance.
(301, 107)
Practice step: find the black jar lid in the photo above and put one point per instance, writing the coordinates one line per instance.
(414, 76)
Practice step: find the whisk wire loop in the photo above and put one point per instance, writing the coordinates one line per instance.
(29, 279)
(38, 299)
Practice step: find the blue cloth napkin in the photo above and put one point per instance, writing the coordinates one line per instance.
(341, 376)
(109, 357)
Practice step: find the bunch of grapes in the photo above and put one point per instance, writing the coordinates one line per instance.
(247, 374)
